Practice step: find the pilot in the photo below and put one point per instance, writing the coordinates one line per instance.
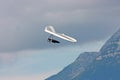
(52, 40)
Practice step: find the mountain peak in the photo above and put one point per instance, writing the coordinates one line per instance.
(111, 48)
(112, 45)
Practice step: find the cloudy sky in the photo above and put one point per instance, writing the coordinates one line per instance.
(24, 50)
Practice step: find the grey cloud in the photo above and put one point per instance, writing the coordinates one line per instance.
(22, 22)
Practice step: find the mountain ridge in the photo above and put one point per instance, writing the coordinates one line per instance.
(75, 68)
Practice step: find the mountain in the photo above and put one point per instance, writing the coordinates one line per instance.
(76, 68)
(102, 65)
(106, 66)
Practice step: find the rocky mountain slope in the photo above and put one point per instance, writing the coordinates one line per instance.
(106, 66)
(76, 68)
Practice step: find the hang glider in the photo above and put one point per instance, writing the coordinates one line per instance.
(51, 30)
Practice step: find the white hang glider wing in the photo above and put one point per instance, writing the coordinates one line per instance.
(51, 30)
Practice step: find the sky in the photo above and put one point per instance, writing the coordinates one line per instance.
(24, 51)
